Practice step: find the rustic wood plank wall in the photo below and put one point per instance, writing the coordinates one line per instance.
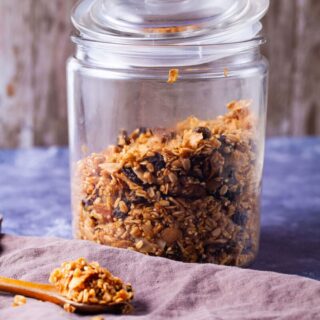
(292, 28)
(34, 46)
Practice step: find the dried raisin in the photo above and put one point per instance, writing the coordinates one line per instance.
(240, 218)
(157, 161)
(206, 133)
(130, 174)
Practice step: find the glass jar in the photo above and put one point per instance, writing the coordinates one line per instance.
(167, 111)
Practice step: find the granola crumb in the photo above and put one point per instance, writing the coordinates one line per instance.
(226, 72)
(97, 318)
(188, 193)
(173, 75)
(89, 283)
(174, 29)
(69, 308)
(19, 300)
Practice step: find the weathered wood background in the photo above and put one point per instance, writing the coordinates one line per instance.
(34, 46)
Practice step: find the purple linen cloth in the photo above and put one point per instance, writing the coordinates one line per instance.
(164, 289)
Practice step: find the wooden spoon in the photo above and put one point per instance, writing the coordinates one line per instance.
(47, 292)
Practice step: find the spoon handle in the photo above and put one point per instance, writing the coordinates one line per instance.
(44, 292)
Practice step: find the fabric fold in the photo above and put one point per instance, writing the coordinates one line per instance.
(164, 289)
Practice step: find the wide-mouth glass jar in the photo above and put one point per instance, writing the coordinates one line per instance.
(167, 111)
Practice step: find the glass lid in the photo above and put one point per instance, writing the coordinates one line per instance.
(169, 21)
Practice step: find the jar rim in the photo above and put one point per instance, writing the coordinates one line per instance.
(78, 39)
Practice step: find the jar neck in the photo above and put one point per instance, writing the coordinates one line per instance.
(119, 56)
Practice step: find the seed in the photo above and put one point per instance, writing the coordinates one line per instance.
(139, 244)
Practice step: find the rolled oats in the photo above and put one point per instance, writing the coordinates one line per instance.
(189, 194)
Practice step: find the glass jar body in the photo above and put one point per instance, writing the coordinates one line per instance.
(170, 168)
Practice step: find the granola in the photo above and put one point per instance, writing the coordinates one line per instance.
(19, 301)
(173, 76)
(89, 283)
(189, 194)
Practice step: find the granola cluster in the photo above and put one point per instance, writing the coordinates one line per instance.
(89, 283)
(189, 194)
(19, 301)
